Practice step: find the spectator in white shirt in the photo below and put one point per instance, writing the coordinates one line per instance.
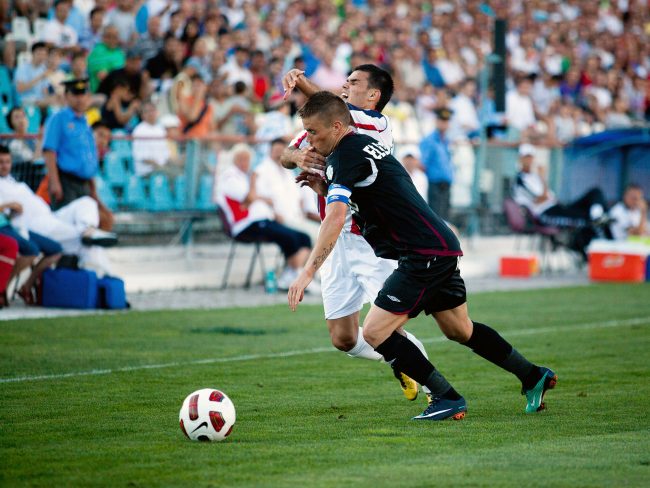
(56, 32)
(464, 121)
(629, 215)
(151, 151)
(520, 112)
(409, 156)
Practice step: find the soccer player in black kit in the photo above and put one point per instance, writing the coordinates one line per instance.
(398, 224)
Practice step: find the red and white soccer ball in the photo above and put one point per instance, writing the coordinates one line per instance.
(207, 415)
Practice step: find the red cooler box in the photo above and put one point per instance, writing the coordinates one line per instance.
(614, 261)
(518, 266)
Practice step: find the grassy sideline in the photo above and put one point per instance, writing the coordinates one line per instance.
(317, 418)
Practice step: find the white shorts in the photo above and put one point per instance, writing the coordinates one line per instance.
(351, 276)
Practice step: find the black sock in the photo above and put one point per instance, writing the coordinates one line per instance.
(487, 343)
(408, 359)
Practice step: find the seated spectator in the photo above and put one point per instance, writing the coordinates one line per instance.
(57, 32)
(102, 134)
(8, 254)
(464, 122)
(24, 150)
(105, 57)
(409, 156)
(31, 245)
(92, 32)
(151, 42)
(234, 115)
(236, 70)
(194, 111)
(123, 18)
(150, 148)
(55, 77)
(167, 63)
(586, 214)
(278, 184)
(277, 124)
(520, 112)
(132, 72)
(74, 226)
(30, 78)
(251, 216)
(630, 216)
(121, 106)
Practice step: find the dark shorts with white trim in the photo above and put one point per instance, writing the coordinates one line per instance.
(431, 284)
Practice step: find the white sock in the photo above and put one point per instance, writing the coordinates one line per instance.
(596, 211)
(420, 346)
(364, 350)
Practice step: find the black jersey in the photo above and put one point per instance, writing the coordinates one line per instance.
(392, 216)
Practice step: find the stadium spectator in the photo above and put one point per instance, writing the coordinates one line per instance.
(92, 32)
(123, 18)
(193, 109)
(236, 69)
(251, 215)
(25, 151)
(137, 79)
(150, 147)
(520, 111)
(55, 77)
(30, 78)
(630, 216)
(30, 243)
(191, 33)
(75, 225)
(409, 156)
(436, 159)
(102, 135)
(235, 116)
(56, 32)
(167, 63)
(587, 214)
(151, 42)
(276, 124)
(464, 121)
(8, 254)
(105, 57)
(287, 199)
(121, 107)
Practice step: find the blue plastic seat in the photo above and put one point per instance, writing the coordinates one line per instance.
(6, 88)
(115, 170)
(134, 193)
(205, 200)
(105, 193)
(160, 196)
(4, 126)
(180, 192)
(33, 119)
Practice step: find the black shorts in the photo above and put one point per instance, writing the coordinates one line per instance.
(418, 284)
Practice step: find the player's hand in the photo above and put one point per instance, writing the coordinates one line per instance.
(289, 81)
(307, 159)
(56, 190)
(313, 181)
(297, 290)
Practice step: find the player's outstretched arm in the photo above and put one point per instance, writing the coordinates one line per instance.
(329, 232)
(306, 159)
(296, 78)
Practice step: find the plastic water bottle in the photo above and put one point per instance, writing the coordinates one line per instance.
(270, 282)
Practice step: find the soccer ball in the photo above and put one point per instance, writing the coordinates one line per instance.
(207, 415)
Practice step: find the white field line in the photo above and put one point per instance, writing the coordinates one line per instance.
(247, 357)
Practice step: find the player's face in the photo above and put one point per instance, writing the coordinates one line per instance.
(321, 136)
(5, 164)
(355, 91)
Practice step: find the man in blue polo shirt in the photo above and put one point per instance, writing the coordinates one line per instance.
(436, 159)
(69, 148)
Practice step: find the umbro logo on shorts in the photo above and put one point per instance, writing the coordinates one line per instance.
(395, 299)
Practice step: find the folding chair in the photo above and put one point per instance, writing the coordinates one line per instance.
(234, 240)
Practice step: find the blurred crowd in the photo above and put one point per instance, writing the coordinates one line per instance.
(574, 67)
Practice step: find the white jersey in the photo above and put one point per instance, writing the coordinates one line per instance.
(369, 122)
(352, 275)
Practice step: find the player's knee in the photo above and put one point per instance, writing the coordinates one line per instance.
(343, 342)
(460, 331)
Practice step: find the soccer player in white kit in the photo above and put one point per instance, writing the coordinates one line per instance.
(353, 274)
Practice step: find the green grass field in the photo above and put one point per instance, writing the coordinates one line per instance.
(309, 416)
